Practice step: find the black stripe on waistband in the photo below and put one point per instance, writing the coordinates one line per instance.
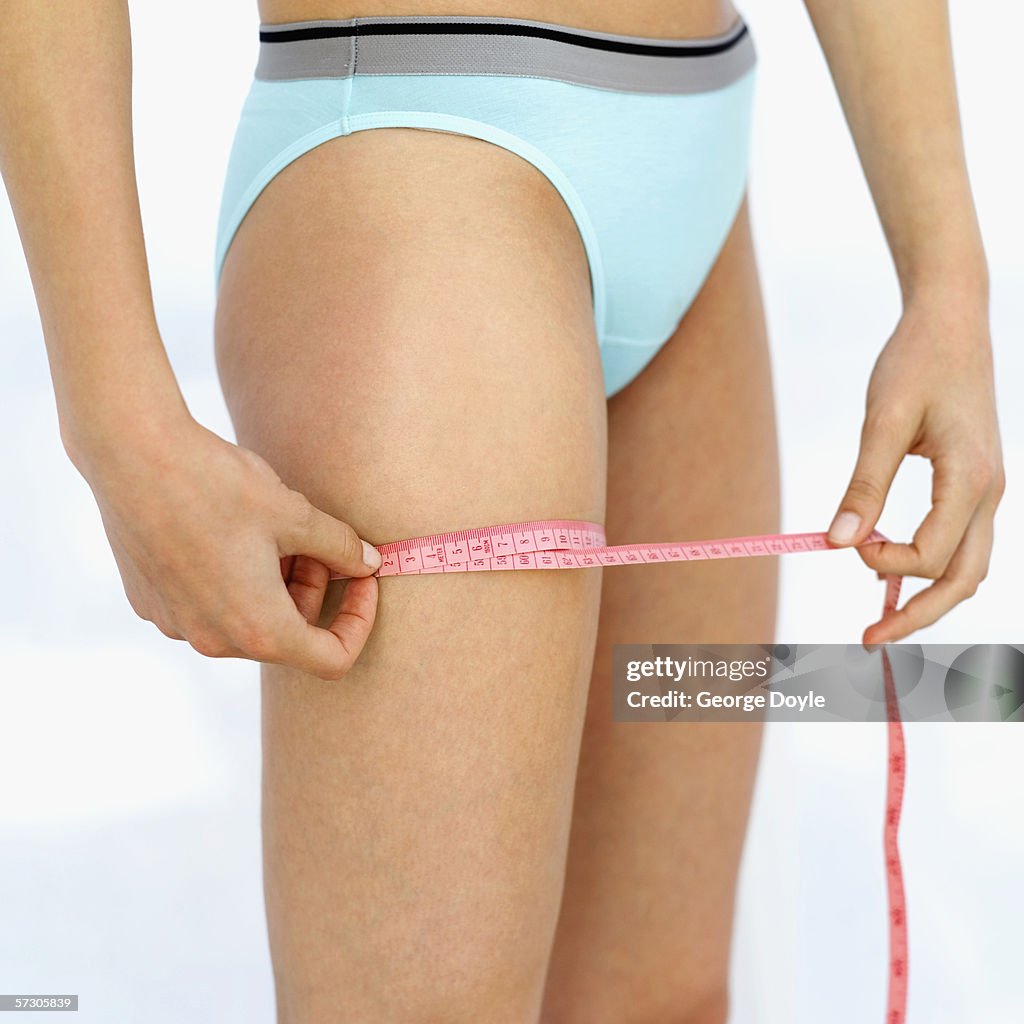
(669, 49)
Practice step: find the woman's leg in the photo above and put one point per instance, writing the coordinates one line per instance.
(405, 333)
(661, 809)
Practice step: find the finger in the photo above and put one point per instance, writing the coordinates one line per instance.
(286, 567)
(956, 493)
(885, 439)
(307, 583)
(356, 615)
(329, 653)
(332, 542)
(966, 569)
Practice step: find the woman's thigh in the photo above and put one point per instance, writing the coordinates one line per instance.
(405, 332)
(661, 809)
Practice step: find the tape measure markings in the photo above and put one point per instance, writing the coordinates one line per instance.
(567, 544)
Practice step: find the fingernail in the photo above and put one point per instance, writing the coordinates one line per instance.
(844, 527)
(371, 556)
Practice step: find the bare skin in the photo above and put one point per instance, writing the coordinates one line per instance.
(660, 813)
(646, 17)
(416, 818)
(394, 833)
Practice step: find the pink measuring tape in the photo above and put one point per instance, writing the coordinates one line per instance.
(573, 544)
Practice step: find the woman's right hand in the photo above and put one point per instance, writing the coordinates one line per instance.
(204, 533)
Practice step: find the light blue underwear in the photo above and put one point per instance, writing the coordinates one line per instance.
(645, 139)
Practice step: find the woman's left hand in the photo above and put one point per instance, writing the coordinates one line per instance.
(931, 393)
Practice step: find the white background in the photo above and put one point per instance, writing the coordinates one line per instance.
(129, 835)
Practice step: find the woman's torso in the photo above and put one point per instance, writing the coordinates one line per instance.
(659, 18)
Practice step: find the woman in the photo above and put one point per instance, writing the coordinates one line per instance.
(476, 268)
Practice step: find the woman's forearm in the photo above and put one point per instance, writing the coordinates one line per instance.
(893, 68)
(67, 161)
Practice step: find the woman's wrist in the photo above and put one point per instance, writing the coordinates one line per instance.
(949, 279)
(947, 317)
(109, 426)
(945, 269)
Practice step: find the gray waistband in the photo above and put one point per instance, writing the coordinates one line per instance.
(454, 45)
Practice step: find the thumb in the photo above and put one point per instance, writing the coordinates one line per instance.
(882, 447)
(331, 541)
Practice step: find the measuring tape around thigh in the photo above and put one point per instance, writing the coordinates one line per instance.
(575, 544)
